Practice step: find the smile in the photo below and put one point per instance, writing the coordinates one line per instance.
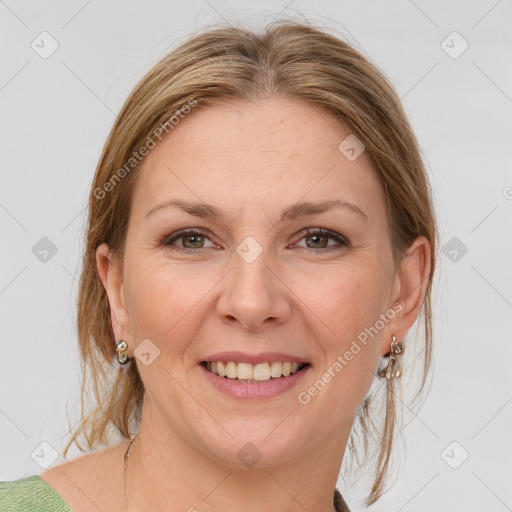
(248, 372)
(254, 381)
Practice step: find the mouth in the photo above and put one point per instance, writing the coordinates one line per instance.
(254, 373)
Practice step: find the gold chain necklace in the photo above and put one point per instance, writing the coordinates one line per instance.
(126, 455)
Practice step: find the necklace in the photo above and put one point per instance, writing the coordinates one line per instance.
(126, 455)
(339, 503)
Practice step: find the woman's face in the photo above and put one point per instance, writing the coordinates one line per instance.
(255, 282)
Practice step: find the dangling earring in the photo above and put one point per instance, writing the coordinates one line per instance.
(122, 357)
(394, 368)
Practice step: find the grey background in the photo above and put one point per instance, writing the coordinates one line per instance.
(56, 113)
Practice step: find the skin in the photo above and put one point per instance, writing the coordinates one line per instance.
(250, 160)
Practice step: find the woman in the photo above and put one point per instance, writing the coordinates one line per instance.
(260, 241)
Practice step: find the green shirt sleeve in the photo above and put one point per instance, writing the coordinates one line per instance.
(31, 494)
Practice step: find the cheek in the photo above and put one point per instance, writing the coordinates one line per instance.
(349, 303)
(164, 302)
(346, 302)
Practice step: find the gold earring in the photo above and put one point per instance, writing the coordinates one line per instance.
(122, 357)
(394, 368)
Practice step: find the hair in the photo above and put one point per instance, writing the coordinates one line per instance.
(291, 60)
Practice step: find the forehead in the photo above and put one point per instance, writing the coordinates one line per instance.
(264, 152)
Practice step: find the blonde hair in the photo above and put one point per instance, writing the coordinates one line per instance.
(289, 59)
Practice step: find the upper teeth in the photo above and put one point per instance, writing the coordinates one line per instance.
(247, 371)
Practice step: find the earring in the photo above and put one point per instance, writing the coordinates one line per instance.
(122, 357)
(394, 368)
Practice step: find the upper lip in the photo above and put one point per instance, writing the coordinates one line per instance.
(262, 357)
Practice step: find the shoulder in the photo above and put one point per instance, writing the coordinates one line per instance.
(31, 494)
(90, 482)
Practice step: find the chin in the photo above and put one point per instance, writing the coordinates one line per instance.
(252, 446)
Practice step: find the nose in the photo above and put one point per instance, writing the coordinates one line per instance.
(254, 295)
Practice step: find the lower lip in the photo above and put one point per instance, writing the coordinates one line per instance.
(254, 390)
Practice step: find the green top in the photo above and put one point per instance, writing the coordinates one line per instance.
(31, 494)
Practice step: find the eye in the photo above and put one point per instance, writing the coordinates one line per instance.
(319, 238)
(192, 240)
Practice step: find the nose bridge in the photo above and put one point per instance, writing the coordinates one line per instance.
(253, 294)
(252, 272)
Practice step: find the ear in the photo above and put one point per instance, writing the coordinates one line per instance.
(111, 275)
(409, 290)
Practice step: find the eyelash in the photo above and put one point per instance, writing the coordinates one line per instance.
(168, 242)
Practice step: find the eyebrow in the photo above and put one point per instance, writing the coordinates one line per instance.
(292, 212)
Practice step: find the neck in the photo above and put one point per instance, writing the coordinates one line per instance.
(190, 480)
